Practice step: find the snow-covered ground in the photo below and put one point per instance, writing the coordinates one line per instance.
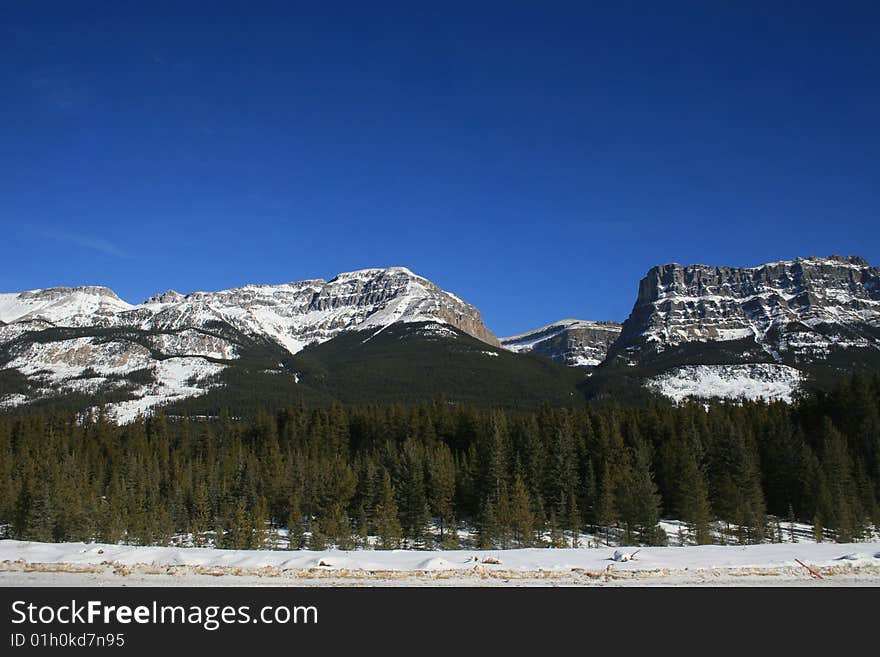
(25, 563)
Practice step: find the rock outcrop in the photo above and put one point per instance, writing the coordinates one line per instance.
(574, 342)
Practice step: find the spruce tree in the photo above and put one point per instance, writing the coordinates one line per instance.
(362, 531)
(318, 539)
(693, 499)
(450, 539)
(574, 521)
(295, 534)
(414, 512)
(40, 523)
(487, 529)
(640, 500)
(387, 523)
(844, 510)
(607, 514)
(522, 520)
(557, 537)
(441, 486)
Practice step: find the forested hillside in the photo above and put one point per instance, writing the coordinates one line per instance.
(335, 475)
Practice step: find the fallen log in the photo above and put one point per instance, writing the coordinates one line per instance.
(813, 573)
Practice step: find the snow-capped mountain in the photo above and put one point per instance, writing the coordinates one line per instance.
(803, 313)
(85, 339)
(573, 342)
(292, 314)
(695, 331)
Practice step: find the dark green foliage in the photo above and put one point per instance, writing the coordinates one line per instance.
(522, 520)
(693, 498)
(295, 534)
(406, 364)
(388, 527)
(341, 474)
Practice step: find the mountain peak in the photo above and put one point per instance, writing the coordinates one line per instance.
(375, 272)
(170, 296)
(54, 304)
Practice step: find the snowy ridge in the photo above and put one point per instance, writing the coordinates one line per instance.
(175, 326)
(300, 313)
(528, 339)
(293, 314)
(574, 342)
(67, 306)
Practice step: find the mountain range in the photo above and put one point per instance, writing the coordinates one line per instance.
(386, 334)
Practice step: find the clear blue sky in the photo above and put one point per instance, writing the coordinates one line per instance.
(534, 158)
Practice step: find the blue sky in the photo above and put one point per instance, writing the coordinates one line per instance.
(534, 158)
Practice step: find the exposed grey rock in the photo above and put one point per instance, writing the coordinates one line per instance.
(572, 342)
(795, 311)
(171, 296)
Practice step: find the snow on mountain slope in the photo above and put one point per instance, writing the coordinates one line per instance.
(175, 378)
(37, 331)
(294, 314)
(572, 342)
(297, 314)
(61, 360)
(68, 306)
(89, 365)
(736, 382)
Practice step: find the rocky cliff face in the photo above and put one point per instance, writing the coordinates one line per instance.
(574, 342)
(793, 310)
(802, 313)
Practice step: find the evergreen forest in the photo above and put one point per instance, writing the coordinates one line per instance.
(390, 476)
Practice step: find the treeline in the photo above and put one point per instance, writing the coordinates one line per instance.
(337, 475)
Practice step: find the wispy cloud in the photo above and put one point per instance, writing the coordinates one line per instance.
(86, 241)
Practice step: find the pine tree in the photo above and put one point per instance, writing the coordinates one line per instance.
(40, 523)
(362, 532)
(387, 523)
(818, 529)
(522, 520)
(843, 513)
(574, 521)
(693, 499)
(441, 485)
(318, 539)
(503, 518)
(414, 512)
(557, 538)
(199, 518)
(450, 539)
(295, 534)
(640, 500)
(487, 529)
(737, 495)
(607, 514)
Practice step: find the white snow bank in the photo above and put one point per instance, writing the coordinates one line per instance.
(766, 556)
